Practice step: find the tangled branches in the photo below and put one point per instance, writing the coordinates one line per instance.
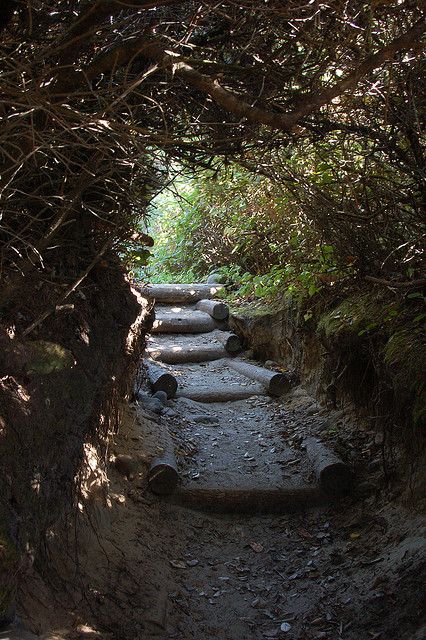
(96, 97)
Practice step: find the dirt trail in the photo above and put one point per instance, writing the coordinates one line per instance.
(354, 570)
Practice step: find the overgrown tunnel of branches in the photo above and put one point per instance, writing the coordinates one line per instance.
(212, 347)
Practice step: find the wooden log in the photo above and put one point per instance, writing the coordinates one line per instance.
(250, 501)
(220, 393)
(173, 293)
(334, 476)
(230, 341)
(276, 384)
(160, 379)
(198, 322)
(163, 476)
(217, 310)
(179, 355)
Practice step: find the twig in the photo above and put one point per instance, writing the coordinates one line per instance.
(389, 283)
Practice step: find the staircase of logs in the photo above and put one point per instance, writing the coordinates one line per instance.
(191, 327)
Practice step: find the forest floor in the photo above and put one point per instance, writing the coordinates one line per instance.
(148, 568)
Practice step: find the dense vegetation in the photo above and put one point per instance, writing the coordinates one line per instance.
(98, 98)
(297, 131)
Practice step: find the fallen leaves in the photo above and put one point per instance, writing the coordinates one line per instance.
(355, 535)
(178, 564)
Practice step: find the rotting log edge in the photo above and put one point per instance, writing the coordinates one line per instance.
(334, 476)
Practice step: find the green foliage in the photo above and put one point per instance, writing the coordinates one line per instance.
(405, 354)
(245, 227)
(135, 258)
(367, 313)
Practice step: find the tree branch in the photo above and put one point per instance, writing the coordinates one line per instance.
(79, 34)
(169, 60)
(409, 40)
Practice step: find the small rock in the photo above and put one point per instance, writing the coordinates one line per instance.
(270, 364)
(178, 564)
(312, 410)
(169, 412)
(216, 278)
(192, 563)
(149, 402)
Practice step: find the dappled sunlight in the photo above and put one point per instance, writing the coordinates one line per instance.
(92, 478)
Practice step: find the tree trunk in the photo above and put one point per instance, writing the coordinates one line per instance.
(275, 383)
(335, 477)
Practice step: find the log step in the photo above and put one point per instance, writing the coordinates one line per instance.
(161, 379)
(250, 501)
(171, 321)
(334, 475)
(217, 310)
(230, 341)
(179, 355)
(220, 392)
(275, 383)
(172, 293)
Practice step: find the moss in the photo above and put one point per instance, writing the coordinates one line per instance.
(46, 357)
(405, 356)
(259, 308)
(358, 314)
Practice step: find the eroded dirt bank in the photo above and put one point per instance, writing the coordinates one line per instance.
(59, 392)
